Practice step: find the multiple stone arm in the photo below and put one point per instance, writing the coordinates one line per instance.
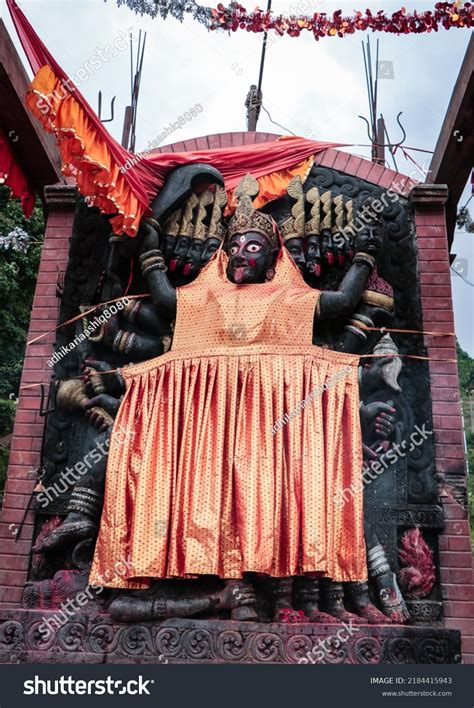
(163, 294)
(343, 301)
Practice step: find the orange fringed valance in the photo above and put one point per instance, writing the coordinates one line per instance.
(84, 155)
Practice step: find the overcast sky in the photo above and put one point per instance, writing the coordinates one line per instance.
(314, 89)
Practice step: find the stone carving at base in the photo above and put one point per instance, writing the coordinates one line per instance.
(93, 638)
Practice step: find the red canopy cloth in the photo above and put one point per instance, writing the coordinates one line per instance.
(99, 162)
(13, 176)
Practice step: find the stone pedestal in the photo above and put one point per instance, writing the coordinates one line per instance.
(94, 639)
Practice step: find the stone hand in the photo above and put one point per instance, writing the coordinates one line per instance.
(110, 328)
(75, 528)
(235, 594)
(109, 403)
(377, 420)
(112, 382)
(98, 417)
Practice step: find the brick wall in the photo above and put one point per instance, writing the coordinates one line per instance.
(28, 430)
(435, 283)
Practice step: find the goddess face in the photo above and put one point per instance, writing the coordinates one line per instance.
(369, 240)
(168, 243)
(327, 251)
(192, 262)
(179, 253)
(313, 256)
(251, 255)
(210, 247)
(295, 248)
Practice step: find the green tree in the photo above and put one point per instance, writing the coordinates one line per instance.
(466, 371)
(19, 262)
(466, 385)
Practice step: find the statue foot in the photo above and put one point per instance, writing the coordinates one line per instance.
(307, 598)
(75, 527)
(316, 616)
(280, 593)
(333, 602)
(343, 615)
(244, 614)
(400, 616)
(238, 597)
(371, 615)
(359, 602)
(391, 598)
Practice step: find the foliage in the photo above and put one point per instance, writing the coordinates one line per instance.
(20, 250)
(7, 416)
(466, 371)
(466, 385)
(18, 271)
(464, 220)
(4, 453)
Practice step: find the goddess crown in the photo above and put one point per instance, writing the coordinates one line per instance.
(246, 217)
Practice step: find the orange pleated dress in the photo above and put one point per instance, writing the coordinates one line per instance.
(198, 482)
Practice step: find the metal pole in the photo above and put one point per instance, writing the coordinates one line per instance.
(264, 49)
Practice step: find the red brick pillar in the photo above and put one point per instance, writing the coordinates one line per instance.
(435, 284)
(28, 430)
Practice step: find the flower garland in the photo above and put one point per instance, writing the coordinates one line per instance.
(445, 15)
(234, 17)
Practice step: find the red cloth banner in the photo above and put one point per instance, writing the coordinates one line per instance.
(13, 176)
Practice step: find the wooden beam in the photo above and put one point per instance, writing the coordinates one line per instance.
(34, 149)
(453, 157)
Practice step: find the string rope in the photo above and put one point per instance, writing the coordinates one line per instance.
(354, 362)
(84, 314)
(147, 295)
